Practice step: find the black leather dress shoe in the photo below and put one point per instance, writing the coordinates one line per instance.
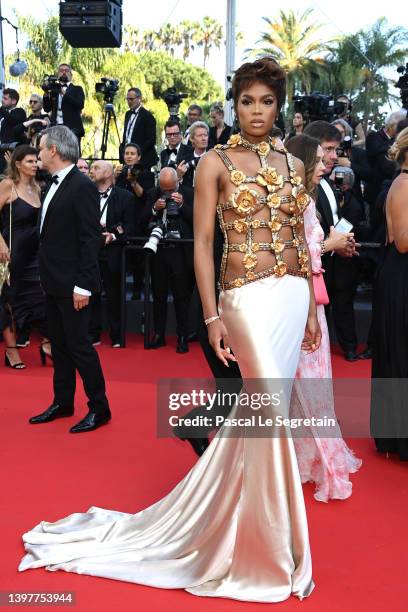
(199, 445)
(182, 345)
(90, 422)
(157, 341)
(367, 354)
(350, 356)
(55, 411)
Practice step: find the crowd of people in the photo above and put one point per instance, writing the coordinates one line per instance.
(276, 228)
(355, 182)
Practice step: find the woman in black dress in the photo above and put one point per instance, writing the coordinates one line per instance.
(220, 131)
(389, 412)
(23, 299)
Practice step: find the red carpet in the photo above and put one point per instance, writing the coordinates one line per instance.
(359, 546)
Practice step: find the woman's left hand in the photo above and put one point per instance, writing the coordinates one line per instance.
(313, 335)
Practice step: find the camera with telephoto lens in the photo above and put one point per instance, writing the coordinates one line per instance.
(108, 87)
(344, 149)
(52, 84)
(156, 235)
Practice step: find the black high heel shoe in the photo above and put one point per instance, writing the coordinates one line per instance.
(15, 366)
(44, 355)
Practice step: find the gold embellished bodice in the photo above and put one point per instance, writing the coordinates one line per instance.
(253, 222)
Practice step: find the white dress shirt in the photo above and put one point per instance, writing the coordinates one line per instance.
(332, 199)
(61, 174)
(59, 117)
(131, 125)
(104, 209)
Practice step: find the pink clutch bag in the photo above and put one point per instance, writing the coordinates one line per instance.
(320, 290)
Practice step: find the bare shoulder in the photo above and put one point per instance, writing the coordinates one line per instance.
(399, 189)
(6, 186)
(211, 159)
(299, 165)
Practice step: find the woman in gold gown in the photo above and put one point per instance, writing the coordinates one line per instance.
(236, 525)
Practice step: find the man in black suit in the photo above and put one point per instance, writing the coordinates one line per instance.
(175, 151)
(172, 265)
(382, 168)
(70, 241)
(341, 269)
(199, 132)
(66, 104)
(10, 118)
(140, 128)
(117, 223)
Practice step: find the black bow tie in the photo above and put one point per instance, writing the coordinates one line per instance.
(172, 151)
(104, 194)
(55, 179)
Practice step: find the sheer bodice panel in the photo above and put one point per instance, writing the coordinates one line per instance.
(261, 216)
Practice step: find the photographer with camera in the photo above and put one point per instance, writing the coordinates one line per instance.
(10, 117)
(199, 133)
(350, 156)
(35, 123)
(116, 220)
(64, 101)
(382, 168)
(169, 206)
(139, 128)
(341, 269)
(357, 130)
(138, 180)
(175, 151)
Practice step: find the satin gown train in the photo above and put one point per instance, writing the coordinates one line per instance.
(236, 525)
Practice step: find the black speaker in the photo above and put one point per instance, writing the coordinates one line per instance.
(94, 23)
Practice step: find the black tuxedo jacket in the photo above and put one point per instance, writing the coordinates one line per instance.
(120, 222)
(144, 135)
(71, 238)
(71, 106)
(382, 168)
(181, 154)
(11, 119)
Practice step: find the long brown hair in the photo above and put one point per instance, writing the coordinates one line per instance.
(18, 155)
(305, 148)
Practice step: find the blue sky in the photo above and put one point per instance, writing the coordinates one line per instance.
(351, 16)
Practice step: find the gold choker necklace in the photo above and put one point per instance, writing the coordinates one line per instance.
(263, 148)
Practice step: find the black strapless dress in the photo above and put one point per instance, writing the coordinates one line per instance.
(389, 390)
(23, 300)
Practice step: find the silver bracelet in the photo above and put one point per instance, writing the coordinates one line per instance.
(211, 319)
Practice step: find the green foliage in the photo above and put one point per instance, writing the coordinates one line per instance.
(152, 71)
(293, 39)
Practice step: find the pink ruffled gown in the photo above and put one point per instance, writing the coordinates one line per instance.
(327, 462)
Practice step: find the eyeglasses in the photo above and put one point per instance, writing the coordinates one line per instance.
(173, 135)
(135, 98)
(34, 102)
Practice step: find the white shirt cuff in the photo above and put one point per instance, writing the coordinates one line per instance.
(82, 291)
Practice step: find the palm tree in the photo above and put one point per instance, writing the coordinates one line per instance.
(356, 66)
(293, 40)
(210, 33)
(188, 31)
(168, 37)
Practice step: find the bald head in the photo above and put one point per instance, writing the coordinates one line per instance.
(101, 173)
(168, 179)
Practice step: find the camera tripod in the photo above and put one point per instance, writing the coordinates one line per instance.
(108, 115)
